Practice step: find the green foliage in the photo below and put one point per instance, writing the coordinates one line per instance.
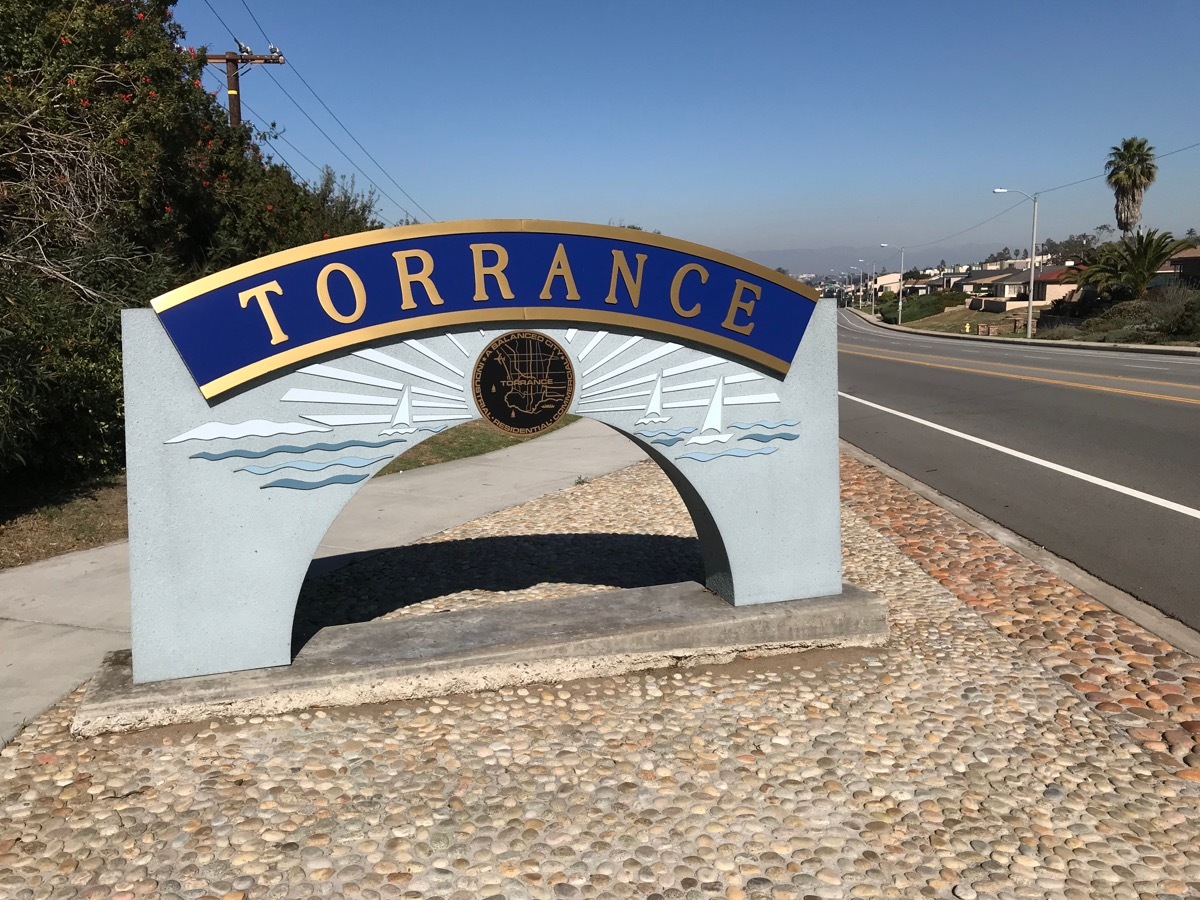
(1124, 269)
(1078, 248)
(1130, 169)
(919, 307)
(120, 178)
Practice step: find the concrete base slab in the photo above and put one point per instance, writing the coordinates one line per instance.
(498, 646)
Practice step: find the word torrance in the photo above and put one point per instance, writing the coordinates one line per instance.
(489, 261)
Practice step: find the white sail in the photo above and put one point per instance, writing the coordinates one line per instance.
(402, 420)
(712, 419)
(653, 414)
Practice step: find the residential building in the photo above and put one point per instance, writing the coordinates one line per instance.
(1186, 264)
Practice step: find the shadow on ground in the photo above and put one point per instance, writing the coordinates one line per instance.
(373, 585)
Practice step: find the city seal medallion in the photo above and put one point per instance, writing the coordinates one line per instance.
(523, 382)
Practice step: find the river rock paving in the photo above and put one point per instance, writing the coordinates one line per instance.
(1142, 683)
(955, 762)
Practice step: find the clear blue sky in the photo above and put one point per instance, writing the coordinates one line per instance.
(746, 126)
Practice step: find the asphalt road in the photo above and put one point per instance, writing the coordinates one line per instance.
(1125, 425)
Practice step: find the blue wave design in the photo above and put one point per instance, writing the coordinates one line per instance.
(736, 451)
(673, 432)
(743, 426)
(290, 448)
(667, 442)
(312, 465)
(297, 485)
(764, 438)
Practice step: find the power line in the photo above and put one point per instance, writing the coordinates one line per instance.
(336, 146)
(1024, 201)
(965, 230)
(357, 142)
(1102, 174)
(222, 21)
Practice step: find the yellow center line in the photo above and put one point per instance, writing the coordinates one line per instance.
(1085, 387)
(1174, 384)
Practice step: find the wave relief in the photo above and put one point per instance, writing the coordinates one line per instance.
(764, 438)
(312, 465)
(296, 485)
(744, 426)
(667, 442)
(741, 452)
(289, 448)
(672, 432)
(212, 431)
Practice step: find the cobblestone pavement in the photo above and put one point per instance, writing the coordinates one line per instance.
(962, 760)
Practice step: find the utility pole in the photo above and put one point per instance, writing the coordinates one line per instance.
(233, 61)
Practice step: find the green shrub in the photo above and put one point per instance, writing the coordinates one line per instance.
(920, 307)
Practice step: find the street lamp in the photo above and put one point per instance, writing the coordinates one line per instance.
(859, 291)
(1032, 253)
(874, 287)
(900, 305)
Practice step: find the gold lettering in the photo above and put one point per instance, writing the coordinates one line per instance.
(496, 270)
(632, 285)
(737, 303)
(560, 268)
(677, 281)
(360, 293)
(264, 305)
(422, 275)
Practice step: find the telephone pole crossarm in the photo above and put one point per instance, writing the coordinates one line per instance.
(233, 61)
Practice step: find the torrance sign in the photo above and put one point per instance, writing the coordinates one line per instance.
(317, 366)
(285, 308)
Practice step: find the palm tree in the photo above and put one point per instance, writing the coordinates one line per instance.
(1130, 170)
(1130, 263)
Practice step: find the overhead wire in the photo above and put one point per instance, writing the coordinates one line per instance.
(1026, 200)
(304, 112)
(335, 118)
(283, 159)
(337, 147)
(223, 22)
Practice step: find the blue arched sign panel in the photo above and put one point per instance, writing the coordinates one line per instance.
(264, 316)
(259, 399)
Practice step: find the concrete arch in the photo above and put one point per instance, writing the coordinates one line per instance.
(232, 489)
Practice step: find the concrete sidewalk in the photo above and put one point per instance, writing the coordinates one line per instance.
(59, 617)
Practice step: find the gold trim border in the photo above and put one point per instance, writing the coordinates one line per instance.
(473, 226)
(238, 377)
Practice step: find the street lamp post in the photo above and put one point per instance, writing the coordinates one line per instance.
(873, 286)
(900, 304)
(1032, 253)
(859, 291)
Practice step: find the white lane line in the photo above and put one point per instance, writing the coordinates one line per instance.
(1155, 368)
(1037, 461)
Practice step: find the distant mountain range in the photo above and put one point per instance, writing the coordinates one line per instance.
(840, 259)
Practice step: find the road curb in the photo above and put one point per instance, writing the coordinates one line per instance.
(1153, 349)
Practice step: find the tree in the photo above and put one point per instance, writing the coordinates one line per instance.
(1130, 170)
(1079, 249)
(120, 178)
(1126, 266)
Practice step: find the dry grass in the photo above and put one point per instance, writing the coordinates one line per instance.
(39, 520)
(953, 320)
